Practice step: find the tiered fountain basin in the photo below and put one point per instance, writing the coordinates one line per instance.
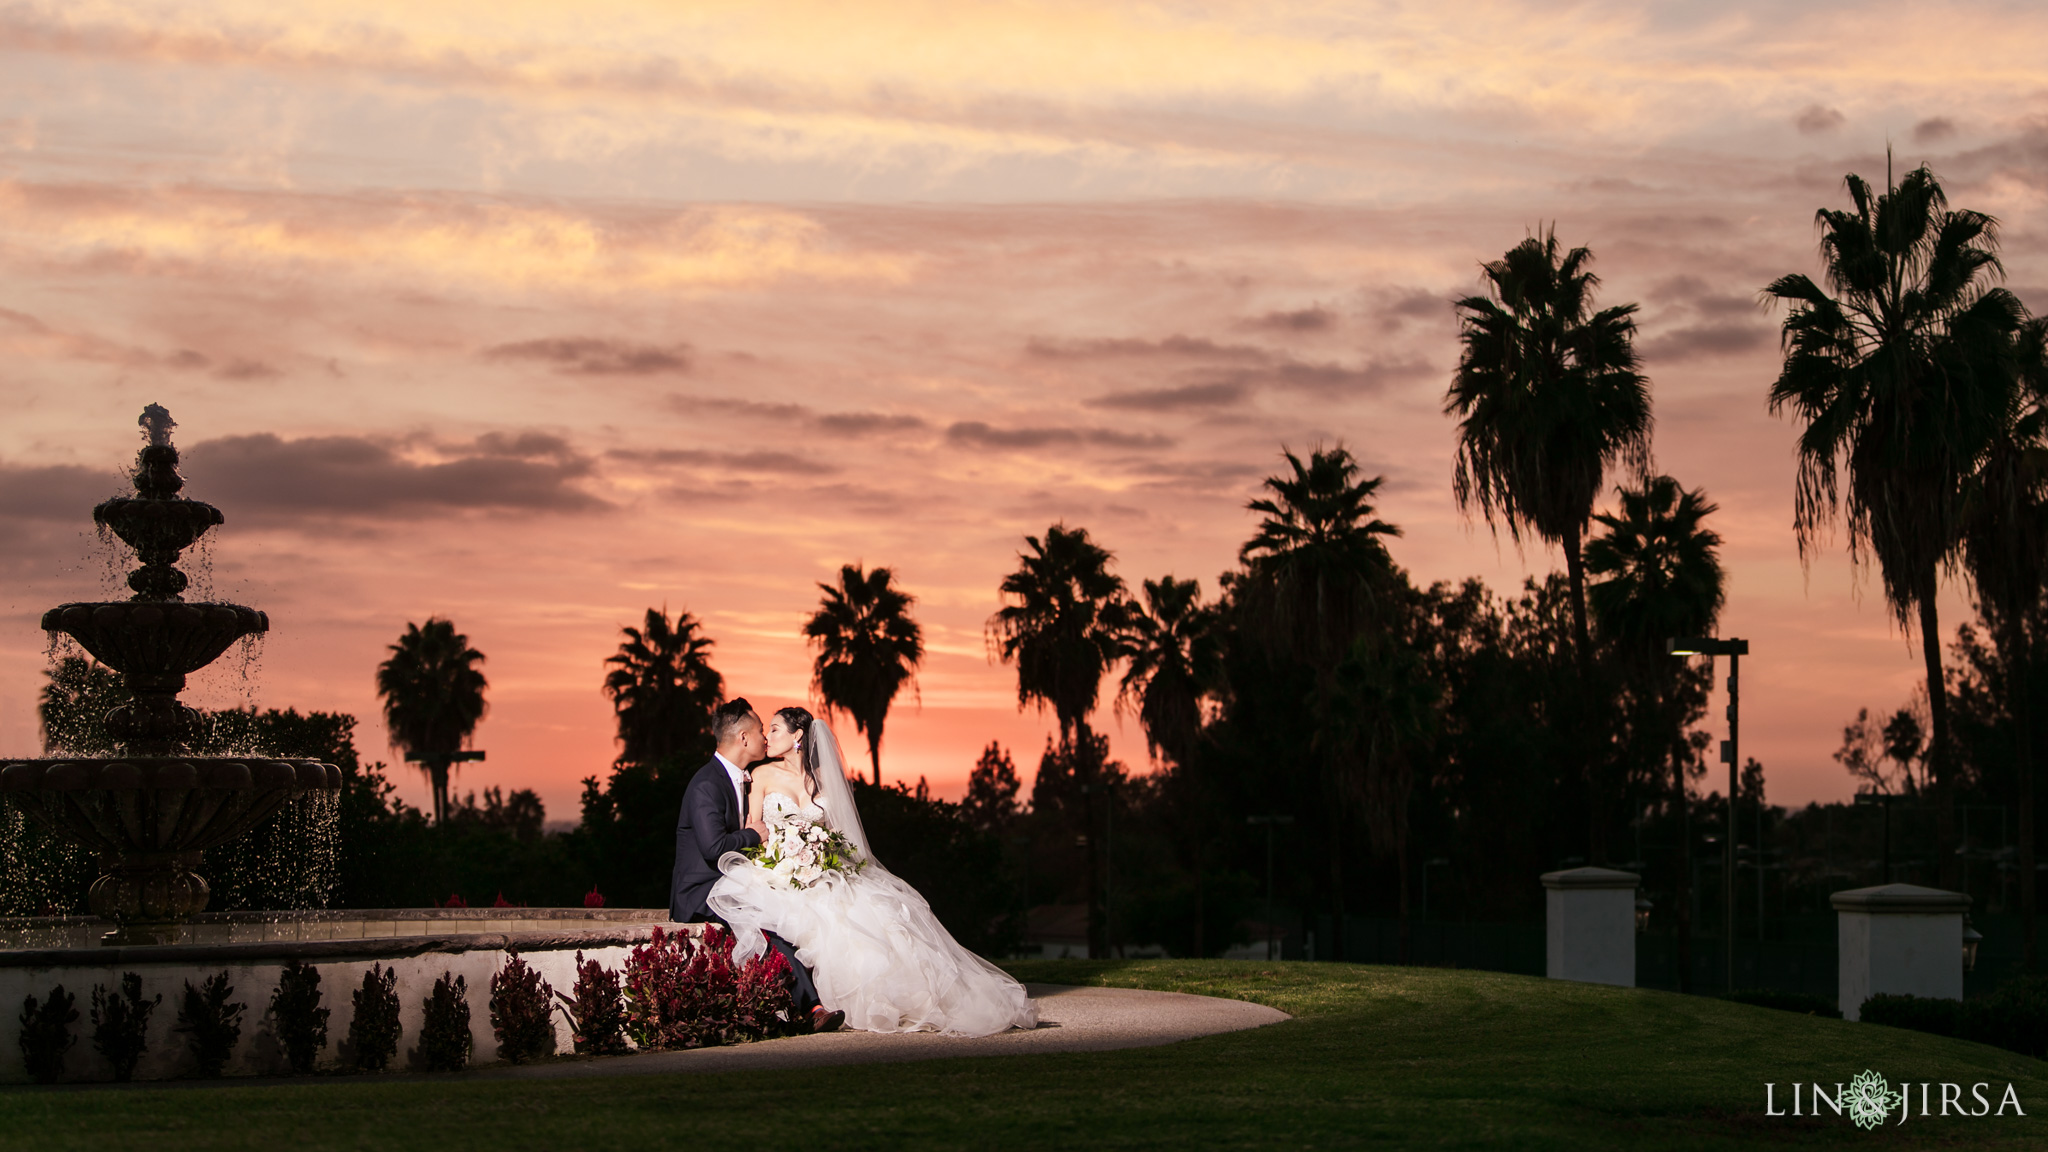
(419, 944)
(149, 818)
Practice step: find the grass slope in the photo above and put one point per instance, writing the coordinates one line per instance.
(1379, 1057)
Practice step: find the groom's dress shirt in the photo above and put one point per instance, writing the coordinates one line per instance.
(738, 776)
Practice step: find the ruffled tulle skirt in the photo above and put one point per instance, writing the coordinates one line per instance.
(874, 949)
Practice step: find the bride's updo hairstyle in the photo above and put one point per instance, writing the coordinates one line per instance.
(798, 720)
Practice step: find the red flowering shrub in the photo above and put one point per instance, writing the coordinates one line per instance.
(455, 900)
(683, 997)
(597, 1013)
(501, 902)
(593, 898)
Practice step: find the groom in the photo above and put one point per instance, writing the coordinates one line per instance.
(717, 818)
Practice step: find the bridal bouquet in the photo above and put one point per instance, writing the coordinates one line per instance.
(799, 853)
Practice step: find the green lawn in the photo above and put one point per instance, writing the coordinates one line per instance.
(1380, 1057)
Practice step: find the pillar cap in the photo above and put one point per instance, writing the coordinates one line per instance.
(1898, 899)
(1591, 878)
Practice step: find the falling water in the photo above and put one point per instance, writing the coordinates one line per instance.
(292, 861)
(40, 874)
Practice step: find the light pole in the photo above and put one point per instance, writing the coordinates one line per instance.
(1269, 822)
(1734, 650)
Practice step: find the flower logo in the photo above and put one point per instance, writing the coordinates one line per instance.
(1869, 1100)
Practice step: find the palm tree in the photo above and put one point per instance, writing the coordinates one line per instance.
(868, 649)
(1902, 372)
(2005, 549)
(1657, 577)
(1318, 572)
(1063, 628)
(1175, 654)
(1548, 399)
(1318, 562)
(433, 697)
(1381, 712)
(663, 688)
(1174, 647)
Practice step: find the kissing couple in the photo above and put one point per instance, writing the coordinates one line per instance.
(769, 844)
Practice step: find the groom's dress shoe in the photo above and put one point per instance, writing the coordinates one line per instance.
(823, 1021)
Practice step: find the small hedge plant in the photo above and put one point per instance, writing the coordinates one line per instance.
(296, 1012)
(46, 1033)
(2014, 1017)
(211, 1023)
(522, 1012)
(374, 1031)
(597, 1011)
(444, 1033)
(120, 1024)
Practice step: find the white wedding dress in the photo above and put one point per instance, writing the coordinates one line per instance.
(874, 948)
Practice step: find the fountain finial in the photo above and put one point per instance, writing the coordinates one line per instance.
(156, 423)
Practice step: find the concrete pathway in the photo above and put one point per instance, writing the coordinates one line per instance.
(1070, 1020)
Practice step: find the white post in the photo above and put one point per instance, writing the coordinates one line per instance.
(1899, 939)
(1590, 926)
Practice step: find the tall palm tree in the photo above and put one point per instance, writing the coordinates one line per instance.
(663, 688)
(1062, 626)
(1901, 371)
(2005, 549)
(1548, 400)
(1317, 573)
(1318, 563)
(1173, 646)
(433, 697)
(1175, 654)
(1065, 626)
(868, 649)
(1657, 576)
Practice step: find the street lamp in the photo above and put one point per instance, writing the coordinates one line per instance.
(1643, 907)
(1971, 938)
(1734, 649)
(1269, 822)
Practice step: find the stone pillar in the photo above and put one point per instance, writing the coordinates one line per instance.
(1899, 939)
(1590, 926)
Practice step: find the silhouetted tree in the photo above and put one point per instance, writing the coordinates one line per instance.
(433, 697)
(1062, 628)
(1657, 577)
(868, 649)
(663, 688)
(1903, 373)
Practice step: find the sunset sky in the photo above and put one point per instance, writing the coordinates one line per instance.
(537, 315)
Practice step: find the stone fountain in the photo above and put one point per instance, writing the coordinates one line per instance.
(152, 809)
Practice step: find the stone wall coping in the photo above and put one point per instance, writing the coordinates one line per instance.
(332, 951)
(1899, 899)
(325, 915)
(1591, 878)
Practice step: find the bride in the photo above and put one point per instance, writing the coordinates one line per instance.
(873, 946)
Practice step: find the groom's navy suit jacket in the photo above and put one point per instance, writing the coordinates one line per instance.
(708, 828)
